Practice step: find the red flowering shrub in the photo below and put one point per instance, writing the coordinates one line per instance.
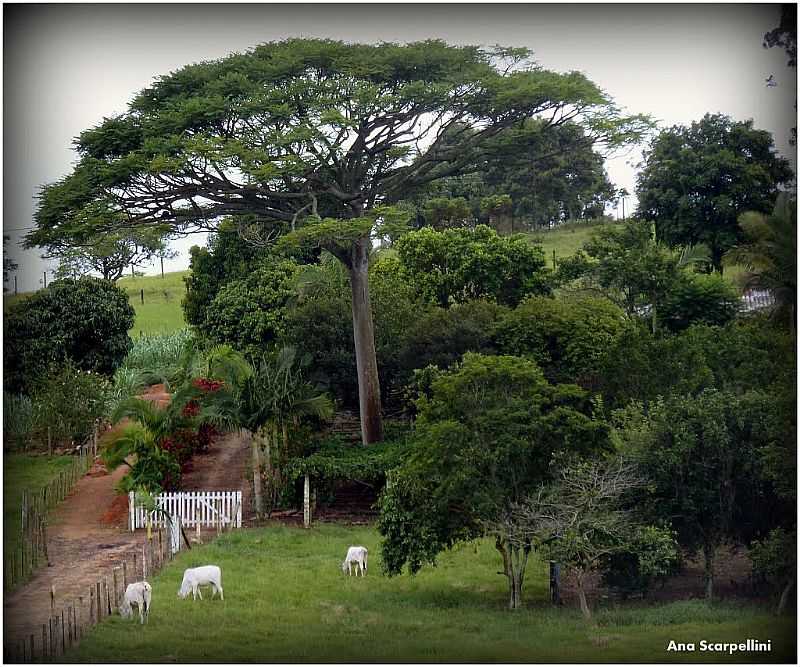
(181, 444)
(208, 386)
(191, 409)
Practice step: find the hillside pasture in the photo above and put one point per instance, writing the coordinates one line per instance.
(161, 311)
(287, 600)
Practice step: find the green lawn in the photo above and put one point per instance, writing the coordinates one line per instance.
(20, 472)
(161, 311)
(286, 600)
(565, 239)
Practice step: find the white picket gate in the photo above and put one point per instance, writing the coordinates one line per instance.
(195, 508)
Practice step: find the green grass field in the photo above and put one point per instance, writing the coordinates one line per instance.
(565, 240)
(161, 311)
(286, 600)
(20, 472)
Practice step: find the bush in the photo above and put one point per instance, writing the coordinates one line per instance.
(440, 337)
(67, 403)
(85, 321)
(567, 337)
(18, 421)
(459, 265)
(652, 555)
(249, 313)
(698, 298)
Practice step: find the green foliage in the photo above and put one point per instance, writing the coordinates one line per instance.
(249, 313)
(444, 212)
(651, 555)
(745, 354)
(458, 265)
(701, 453)
(441, 336)
(84, 321)
(768, 253)
(226, 257)
(67, 401)
(698, 298)
(320, 323)
(775, 556)
(19, 420)
(567, 337)
(484, 437)
(697, 180)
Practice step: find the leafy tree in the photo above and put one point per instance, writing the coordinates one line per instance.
(274, 400)
(633, 270)
(85, 321)
(321, 324)
(249, 312)
(485, 436)
(775, 559)
(579, 519)
(768, 252)
(315, 136)
(567, 337)
(697, 180)
(459, 265)
(9, 264)
(550, 176)
(701, 454)
(443, 212)
(108, 254)
(698, 298)
(66, 403)
(440, 336)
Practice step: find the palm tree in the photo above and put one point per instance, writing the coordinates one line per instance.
(274, 398)
(769, 255)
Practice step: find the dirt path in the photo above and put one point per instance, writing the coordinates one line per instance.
(88, 536)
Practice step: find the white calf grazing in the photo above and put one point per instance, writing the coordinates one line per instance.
(195, 577)
(138, 593)
(357, 556)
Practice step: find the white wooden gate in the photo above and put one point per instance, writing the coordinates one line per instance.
(195, 508)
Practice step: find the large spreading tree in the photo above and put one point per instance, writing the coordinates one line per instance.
(698, 180)
(314, 138)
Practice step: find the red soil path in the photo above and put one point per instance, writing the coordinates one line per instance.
(88, 534)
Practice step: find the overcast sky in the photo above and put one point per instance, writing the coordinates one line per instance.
(68, 66)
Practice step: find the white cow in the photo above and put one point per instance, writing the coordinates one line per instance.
(194, 577)
(357, 556)
(138, 593)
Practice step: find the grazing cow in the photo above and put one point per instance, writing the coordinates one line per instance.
(138, 593)
(357, 556)
(194, 577)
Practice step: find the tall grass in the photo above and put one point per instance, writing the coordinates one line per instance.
(158, 355)
(19, 420)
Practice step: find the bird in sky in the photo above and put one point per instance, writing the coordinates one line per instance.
(771, 83)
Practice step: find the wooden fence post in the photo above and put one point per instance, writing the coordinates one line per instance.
(306, 502)
(44, 640)
(31, 647)
(63, 638)
(116, 588)
(125, 575)
(52, 599)
(99, 602)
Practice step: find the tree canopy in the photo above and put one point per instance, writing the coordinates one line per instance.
(697, 180)
(292, 132)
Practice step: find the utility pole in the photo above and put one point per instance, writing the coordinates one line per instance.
(162, 265)
(45, 278)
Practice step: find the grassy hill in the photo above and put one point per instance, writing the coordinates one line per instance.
(157, 302)
(566, 239)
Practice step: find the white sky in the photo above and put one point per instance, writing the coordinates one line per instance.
(68, 66)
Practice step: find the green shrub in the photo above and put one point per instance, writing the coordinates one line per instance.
(652, 555)
(85, 321)
(18, 421)
(567, 337)
(698, 298)
(67, 403)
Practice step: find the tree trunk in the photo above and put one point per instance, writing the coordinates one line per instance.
(708, 555)
(514, 565)
(259, 499)
(785, 596)
(587, 613)
(369, 391)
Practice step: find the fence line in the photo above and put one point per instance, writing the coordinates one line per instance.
(21, 560)
(753, 300)
(195, 508)
(65, 628)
